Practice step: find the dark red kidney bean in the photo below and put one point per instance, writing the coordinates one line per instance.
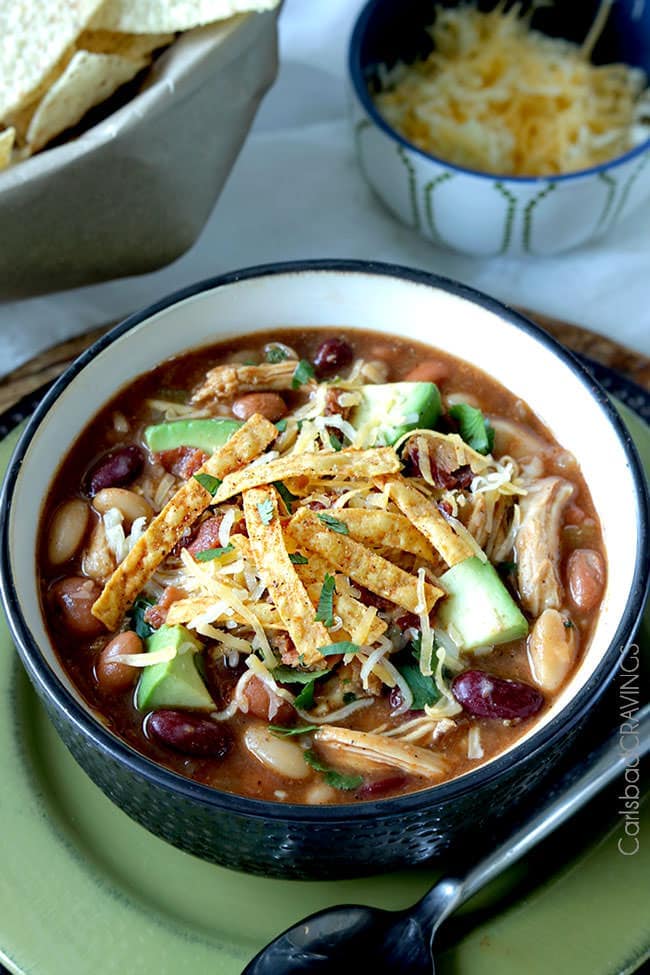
(72, 600)
(332, 355)
(189, 733)
(115, 469)
(381, 787)
(486, 696)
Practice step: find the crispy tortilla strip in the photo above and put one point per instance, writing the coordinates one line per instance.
(344, 464)
(277, 571)
(7, 138)
(360, 563)
(223, 382)
(133, 46)
(450, 451)
(142, 16)
(350, 610)
(357, 748)
(375, 528)
(179, 513)
(186, 610)
(426, 517)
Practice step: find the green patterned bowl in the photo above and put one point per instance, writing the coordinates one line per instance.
(480, 213)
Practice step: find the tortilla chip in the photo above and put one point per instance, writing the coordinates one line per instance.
(279, 574)
(359, 563)
(180, 512)
(34, 37)
(224, 382)
(376, 528)
(351, 612)
(424, 514)
(344, 464)
(152, 16)
(7, 139)
(131, 46)
(87, 80)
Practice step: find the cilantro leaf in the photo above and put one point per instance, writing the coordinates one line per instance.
(337, 526)
(344, 646)
(285, 494)
(349, 697)
(265, 509)
(281, 732)
(346, 783)
(298, 559)
(303, 372)
(305, 700)
(289, 675)
(475, 429)
(213, 553)
(423, 688)
(281, 425)
(207, 481)
(325, 611)
(136, 616)
(275, 353)
(335, 442)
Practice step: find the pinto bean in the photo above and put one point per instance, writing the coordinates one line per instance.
(67, 530)
(486, 696)
(72, 599)
(270, 405)
(112, 676)
(264, 703)
(428, 371)
(128, 503)
(552, 649)
(189, 733)
(332, 355)
(117, 468)
(585, 578)
(279, 755)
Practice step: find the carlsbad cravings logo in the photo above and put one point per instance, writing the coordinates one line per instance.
(629, 796)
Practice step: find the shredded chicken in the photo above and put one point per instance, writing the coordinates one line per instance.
(538, 544)
(358, 749)
(224, 382)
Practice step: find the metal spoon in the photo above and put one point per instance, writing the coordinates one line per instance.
(338, 939)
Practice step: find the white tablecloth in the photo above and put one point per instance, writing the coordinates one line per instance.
(296, 192)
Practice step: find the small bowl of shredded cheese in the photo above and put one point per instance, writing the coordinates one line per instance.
(504, 127)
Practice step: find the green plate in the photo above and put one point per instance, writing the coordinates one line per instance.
(84, 890)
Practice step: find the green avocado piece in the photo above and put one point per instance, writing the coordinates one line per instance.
(175, 683)
(396, 408)
(478, 606)
(207, 435)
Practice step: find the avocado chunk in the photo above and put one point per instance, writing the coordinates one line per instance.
(207, 435)
(175, 683)
(392, 409)
(479, 607)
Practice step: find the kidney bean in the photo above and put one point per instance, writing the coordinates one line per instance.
(270, 405)
(332, 355)
(67, 530)
(381, 787)
(264, 703)
(72, 599)
(112, 676)
(585, 578)
(189, 733)
(115, 469)
(428, 371)
(486, 696)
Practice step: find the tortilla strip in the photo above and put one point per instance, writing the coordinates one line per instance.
(7, 139)
(345, 463)
(180, 512)
(374, 527)
(377, 749)
(360, 563)
(223, 382)
(424, 514)
(279, 574)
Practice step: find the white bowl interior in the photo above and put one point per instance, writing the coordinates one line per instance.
(349, 299)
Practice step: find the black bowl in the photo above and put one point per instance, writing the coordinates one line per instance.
(275, 838)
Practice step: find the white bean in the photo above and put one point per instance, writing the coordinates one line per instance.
(128, 503)
(279, 755)
(67, 529)
(552, 649)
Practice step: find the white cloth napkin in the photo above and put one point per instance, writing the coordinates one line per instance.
(296, 192)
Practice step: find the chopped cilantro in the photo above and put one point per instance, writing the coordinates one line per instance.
(298, 559)
(474, 428)
(281, 425)
(325, 611)
(277, 729)
(338, 781)
(423, 688)
(136, 615)
(303, 372)
(289, 675)
(333, 523)
(207, 481)
(507, 567)
(275, 353)
(285, 494)
(265, 509)
(349, 697)
(335, 442)
(213, 553)
(568, 625)
(305, 700)
(344, 646)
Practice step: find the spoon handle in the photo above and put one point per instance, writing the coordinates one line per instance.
(571, 793)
